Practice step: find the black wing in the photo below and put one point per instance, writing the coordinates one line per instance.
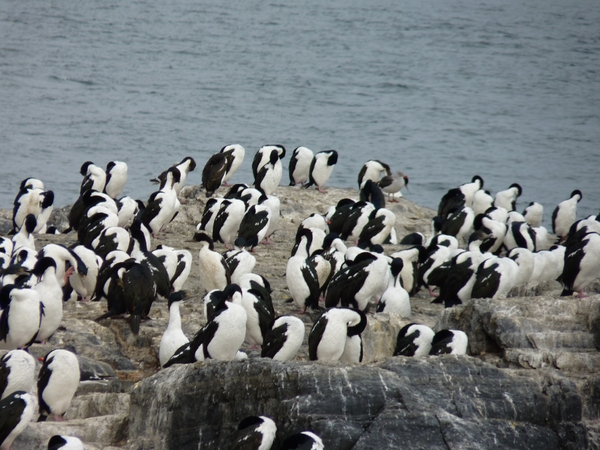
(315, 335)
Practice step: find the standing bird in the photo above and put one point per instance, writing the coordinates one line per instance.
(263, 156)
(393, 184)
(453, 342)
(186, 166)
(21, 316)
(269, 174)
(116, 177)
(214, 273)
(395, 299)
(94, 178)
(533, 214)
(507, 199)
(228, 220)
(254, 433)
(235, 157)
(16, 411)
(305, 440)
(321, 168)
(285, 338)
(300, 163)
(300, 275)
(57, 382)
(213, 173)
(17, 369)
(495, 277)
(414, 340)
(372, 170)
(50, 293)
(163, 205)
(254, 226)
(482, 201)
(327, 338)
(565, 214)
(173, 337)
(581, 267)
(469, 189)
(353, 348)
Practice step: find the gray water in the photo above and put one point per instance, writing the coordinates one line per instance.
(509, 90)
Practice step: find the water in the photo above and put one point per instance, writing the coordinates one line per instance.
(508, 90)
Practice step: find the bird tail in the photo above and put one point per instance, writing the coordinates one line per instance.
(135, 323)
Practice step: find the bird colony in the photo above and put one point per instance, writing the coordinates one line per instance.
(340, 271)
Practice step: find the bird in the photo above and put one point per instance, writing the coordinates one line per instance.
(482, 201)
(16, 411)
(453, 342)
(496, 232)
(263, 156)
(284, 339)
(301, 277)
(565, 214)
(94, 177)
(459, 222)
(116, 177)
(259, 318)
(21, 316)
(353, 348)
(410, 269)
(371, 192)
(507, 199)
(581, 266)
(58, 442)
(254, 225)
(163, 205)
(306, 440)
(50, 294)
(254, 433)
(211, 209)
(469, 189)
(495, 277)
(228, 220)
(366, 278)
(24, 237)
(235, 154)
(186, 166)
(414, 340)
(269, 174)
(57, 382)
(214, 273)
(380, 228)
(17, 369)
(533, 214)
(393, 184)
(520, 234)
(372, 170)
(355, 221)
(224, 334)
(213, 173)
(173, 337)
(453, 200)
(239, 260)
(395, 299)
(299, 168)
(321, 168)
(178, 264)
(327, 337)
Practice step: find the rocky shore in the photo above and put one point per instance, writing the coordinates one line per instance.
(530, 380)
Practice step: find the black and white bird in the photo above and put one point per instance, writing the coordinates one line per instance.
(321, 168)
(254, 225)
(94, 177)
(254, 433)
(372, 193)
(301, 277)
(21, 316)
(173, 337)
(186, 166)
(469, 189)
(299, 168)
(459, 222)
(380, 228)
(453, 200)
(355, 285)
(17, 369)
(259, 317)
(482, 201)
(211, 209)
(163, 205)
(581, 267)
(178, 264)
(496, 232)
(214, 272)
(356, 219)
(116, 177)
(57, 382)
(58, 442)
(284, 339)
(269, 174)
(495, 277)
(50, 294)
(520, 234)
(393, 184)
(306, 440)
(228, 220)
(414, 340)
(327, 338)
(24, 237)
(224, 334)
(240, 261)
(353, 348)
(213, 173)
(533, 214)
(453, 342)
(565, 214)
(410, 267)
(507, 199)
(263, 155)
(395, 299)
(372, 170)
(16, 411)
(235, 154)
(28, 201)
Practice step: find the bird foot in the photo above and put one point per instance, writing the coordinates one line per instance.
(322, 191)
(581, 294)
